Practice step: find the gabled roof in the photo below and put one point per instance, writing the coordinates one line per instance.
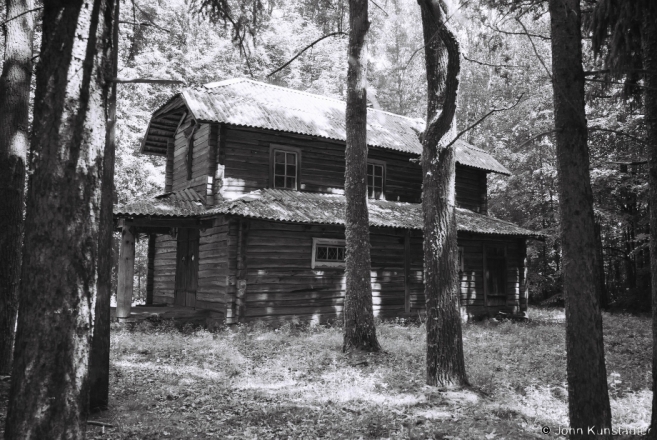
(248, 103)
(317, 208)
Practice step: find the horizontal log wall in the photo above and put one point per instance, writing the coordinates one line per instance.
(471, 189)
(281, 282)
(247, 161)
(164, 269)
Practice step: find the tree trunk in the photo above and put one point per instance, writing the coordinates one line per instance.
(445, 364)
(649, 50)
(100, 344)
(359, 331)
(588, 398)
(14, 106)
(49, 388)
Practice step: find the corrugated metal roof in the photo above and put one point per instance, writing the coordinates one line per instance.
(254, 104)
(183, 203)
(317, 208)
(249, 103)
(472, 156)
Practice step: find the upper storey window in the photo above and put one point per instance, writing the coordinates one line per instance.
(285, 167)
(376, 172)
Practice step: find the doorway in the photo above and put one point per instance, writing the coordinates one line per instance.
(186, 267)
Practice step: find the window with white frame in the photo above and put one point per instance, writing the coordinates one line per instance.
(375, 179)
(328, 252)
(285, 168)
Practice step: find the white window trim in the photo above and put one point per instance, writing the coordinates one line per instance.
(330, 241)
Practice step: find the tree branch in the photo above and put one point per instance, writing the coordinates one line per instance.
(20, 15)
(590, 129)
(134, 3)
(493, 65)
(621, 133)
(535, 137)
(303, 50)
(143, 23)
(496, 29)
(482, 119)
(384, 11)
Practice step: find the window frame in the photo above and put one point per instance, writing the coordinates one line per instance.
(327, 264)
(273, 148)
(382, 164)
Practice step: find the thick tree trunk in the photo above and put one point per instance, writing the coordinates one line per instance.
(359, 331)
(14, 105)
(445, 364)
(588, 398)
(49, 390)
(100, 344)
(649, 49)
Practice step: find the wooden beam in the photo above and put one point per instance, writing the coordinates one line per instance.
(150, 274)
(168, 173)
(126, 273)
(407, 271)
(522, 263)
(240, 309)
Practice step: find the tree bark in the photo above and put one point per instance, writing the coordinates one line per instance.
(14, 107)
(99, 361)
(445, 363)
(359, 330)
(649, 51)
(49, 388)
(588, 398)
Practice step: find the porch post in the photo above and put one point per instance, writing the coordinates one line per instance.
(126, 272)
(522, 263)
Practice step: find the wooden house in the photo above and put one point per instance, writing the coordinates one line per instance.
(251, 222)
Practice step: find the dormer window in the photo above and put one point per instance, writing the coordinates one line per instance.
(376, 172)
(285, 167)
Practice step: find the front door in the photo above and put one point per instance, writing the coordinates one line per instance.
(495, 275)
(186, 267)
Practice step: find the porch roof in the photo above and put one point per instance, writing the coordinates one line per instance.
(315, 208)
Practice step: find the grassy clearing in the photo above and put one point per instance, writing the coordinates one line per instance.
(252, 382)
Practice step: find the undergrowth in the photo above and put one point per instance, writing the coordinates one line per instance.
(251, 381)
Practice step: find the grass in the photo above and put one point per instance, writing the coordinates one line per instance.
(254, 382)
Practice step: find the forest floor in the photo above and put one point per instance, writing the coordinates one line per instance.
(254, 382)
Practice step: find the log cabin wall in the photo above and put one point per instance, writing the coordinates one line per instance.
(213, 267)
(281, 283)
(471, 189)
(164, 269)
(247, 164)
(202, 157)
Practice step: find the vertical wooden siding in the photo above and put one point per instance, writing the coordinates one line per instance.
(213, 267)
(472, 278)
(200, 158)
(164, 269)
